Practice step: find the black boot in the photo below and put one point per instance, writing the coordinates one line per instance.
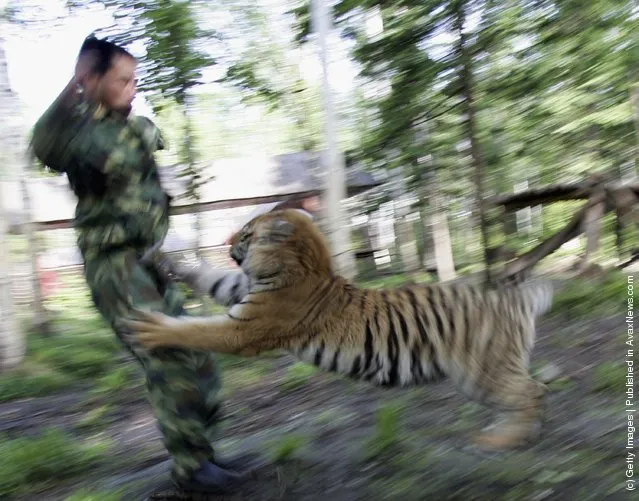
(212, 479)
(242, 463)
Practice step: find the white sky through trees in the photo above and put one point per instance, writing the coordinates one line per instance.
(41, 56)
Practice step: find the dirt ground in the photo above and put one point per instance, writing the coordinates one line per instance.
(325, 437)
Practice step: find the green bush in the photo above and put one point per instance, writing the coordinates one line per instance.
(79, 355)
(582, 297)
(28, 381)
(88, 495)
(609, 376)
(298, 375)
(387, 432)
(27, 462)
(287, 447)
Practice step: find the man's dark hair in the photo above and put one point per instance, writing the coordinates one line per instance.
(104, 53)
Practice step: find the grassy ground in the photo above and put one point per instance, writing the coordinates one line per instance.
(75, 426)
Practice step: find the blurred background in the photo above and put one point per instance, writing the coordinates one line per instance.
(471, 140)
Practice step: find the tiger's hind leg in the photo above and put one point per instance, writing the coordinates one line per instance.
(502, 382)
(519, 401)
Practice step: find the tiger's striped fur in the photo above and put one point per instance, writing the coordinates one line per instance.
(291, 299)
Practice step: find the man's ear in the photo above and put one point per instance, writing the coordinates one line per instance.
(90, 84)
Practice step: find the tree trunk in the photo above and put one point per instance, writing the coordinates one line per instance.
(13, 344)
(395, 251)
(467, 85)
(428, 254)
(193, 178)
(12, 340)
(339, 233)
(408, 245)
(441, 236)
(405, 241)
(443, 248)
(40, 317)
(15, 161)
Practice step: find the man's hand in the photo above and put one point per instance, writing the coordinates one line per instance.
(169, 267)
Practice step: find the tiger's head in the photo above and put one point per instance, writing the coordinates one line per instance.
(284, 244)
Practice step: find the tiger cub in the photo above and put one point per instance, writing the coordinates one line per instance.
(287, 296)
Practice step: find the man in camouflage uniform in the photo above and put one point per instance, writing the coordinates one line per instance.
(122, 212)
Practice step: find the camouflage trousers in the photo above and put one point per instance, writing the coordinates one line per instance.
(182, 384)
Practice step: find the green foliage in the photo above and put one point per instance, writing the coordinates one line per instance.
(78, 356)
(118, 379)
(60, 362)
(551, 88)
(238, 372)
(266, 72)
(81, 350)
(389, 281)
(90, 495)
(172, 39)
(31, 461)
(609, 377)
(30, 381)
(561, 384)
(298, 375)
(74, 310)
(387, 431)
(95, 417)
(585, 297)
(286, 448)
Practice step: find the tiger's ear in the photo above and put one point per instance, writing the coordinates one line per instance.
(282, 228)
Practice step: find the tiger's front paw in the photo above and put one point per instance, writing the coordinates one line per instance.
(153, 329)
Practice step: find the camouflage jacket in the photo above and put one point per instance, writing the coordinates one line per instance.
(110, 166)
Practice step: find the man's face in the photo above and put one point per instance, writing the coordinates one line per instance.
(116, 88)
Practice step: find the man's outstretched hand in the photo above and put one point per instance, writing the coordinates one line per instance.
(180, 270)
